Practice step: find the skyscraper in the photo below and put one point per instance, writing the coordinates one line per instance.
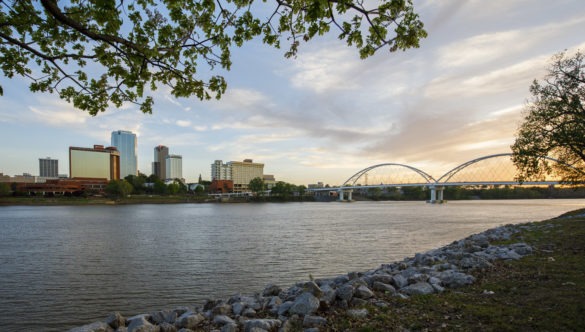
(159, 165)
(48, 168)
(125, 142)
(174, 167)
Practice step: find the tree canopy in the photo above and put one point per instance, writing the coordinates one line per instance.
(96, 54)
(554, 123)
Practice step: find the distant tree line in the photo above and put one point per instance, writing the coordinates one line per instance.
(462, 193)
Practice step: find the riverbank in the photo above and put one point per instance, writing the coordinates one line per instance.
(510, 278)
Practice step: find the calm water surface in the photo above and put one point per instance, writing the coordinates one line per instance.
(67, 266)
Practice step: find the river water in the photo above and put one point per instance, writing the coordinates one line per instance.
(67, 266)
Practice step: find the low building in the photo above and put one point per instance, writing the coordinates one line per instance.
(269, 181)
(221, 187)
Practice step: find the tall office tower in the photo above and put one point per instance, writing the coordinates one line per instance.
(220, 171)
(48, 168)
(125, 142)
(159, 165)
(174, 167)
(96, 163)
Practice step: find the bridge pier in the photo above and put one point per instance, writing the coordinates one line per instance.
(434, 191)
(341, 195)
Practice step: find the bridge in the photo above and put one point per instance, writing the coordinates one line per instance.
(492, 170)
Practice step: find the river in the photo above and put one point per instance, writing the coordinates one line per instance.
(65, 266)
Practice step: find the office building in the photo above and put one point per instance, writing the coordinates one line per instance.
(159, 165)
(126, 143)
(220, 171)
(48, 168)
(174, 167)
(240, 172)
(94, 163)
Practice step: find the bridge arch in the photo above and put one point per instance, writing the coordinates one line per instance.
(417, 173)
(492, 168)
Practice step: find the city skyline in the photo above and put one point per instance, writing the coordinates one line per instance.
(327, 114)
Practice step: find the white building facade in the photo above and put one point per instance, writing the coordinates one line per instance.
(174, 167)
(126, 143)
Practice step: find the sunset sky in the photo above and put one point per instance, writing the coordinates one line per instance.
(327, 114)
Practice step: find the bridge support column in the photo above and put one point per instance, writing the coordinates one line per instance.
(434, 191)
(342, 193)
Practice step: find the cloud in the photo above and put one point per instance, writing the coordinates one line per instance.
(183, 123)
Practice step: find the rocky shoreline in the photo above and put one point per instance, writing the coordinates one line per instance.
(302, 306)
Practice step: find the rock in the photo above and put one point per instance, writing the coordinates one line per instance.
(345, 292)
(363, 292)
(399, 281)
(116, 320)
(189, 320)
(93, 327)
(160, 317)
(283, 308)
(383, 278)
(453, 279)
(305, 304)
(237, 308)
(249, 312)
(229, 328)
(181, 310)
(420, 288)
(521, 248)
(314, 321)
(221, 309)
(357, 302)
(223, 320)
(313, 288)
(340, 280)
(264, 324)
(328, 295)
(358, 313)
(274, 302)
(166, 327)
(271, 290)
(382, 287)
(141, 324)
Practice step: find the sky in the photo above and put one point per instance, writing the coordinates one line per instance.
(326, 114)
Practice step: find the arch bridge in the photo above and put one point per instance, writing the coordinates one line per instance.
(497, 169)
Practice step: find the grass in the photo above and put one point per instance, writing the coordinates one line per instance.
(541, 292)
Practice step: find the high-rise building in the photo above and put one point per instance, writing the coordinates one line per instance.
(96, 163)
(174, 167)
(159, 165)
(48, 168)
(240, 172)
(220, 171)
(126, 143)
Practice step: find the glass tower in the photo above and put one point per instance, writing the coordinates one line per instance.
(125, 142)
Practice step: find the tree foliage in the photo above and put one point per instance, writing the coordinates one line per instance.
(256, 185)
(118, 188)
(554, 123)
(96, 54)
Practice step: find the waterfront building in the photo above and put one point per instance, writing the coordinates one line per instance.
(126, 143)
(159, 165)
(94, 163)
(269, 181)
(240, 172)
(48, 168)
(220, 171)
(174, 167)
